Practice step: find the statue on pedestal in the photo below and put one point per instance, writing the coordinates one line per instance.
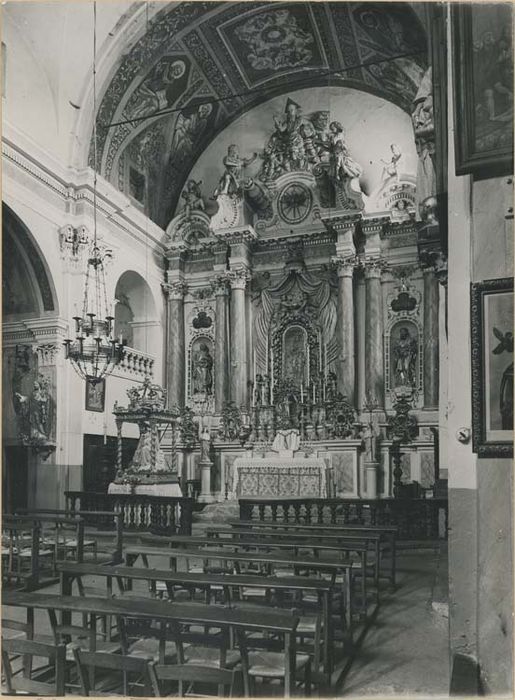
(205, 445)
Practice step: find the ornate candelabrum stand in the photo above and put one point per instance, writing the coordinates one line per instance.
(371, 463)
(402, 429)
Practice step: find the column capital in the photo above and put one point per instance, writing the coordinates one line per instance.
(175, 289)
(374, 267)
(239, 277)
(220, 284)
(345, 265)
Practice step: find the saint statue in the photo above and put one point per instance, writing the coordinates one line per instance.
(342, 166)
(142, 459)
(202, 371)
(205, 444)
(230, 182)
(405, 352)
(288, 138)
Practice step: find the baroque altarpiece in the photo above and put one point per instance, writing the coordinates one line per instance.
(300, 307)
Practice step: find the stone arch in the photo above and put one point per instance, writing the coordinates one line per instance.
(28, 287)
(135, 312)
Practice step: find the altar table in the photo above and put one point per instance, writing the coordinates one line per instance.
(270, 478)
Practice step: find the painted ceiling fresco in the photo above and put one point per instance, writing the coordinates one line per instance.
(231, 57)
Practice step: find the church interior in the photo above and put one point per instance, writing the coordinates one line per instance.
(257, 348)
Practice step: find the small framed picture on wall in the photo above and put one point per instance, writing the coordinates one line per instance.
(95, 394)
(492, 367)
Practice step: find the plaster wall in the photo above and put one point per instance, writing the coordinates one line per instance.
(43, 210)
(480, 490)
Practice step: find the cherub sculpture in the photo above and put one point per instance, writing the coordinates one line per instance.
(193, 200)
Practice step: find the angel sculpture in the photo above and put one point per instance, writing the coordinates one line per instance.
(230, 182)
(390, 167)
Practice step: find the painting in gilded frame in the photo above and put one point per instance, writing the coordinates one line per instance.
(492, 367)
(483, 99)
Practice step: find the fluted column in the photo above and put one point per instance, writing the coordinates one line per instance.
(238, 369)
(374, 373)
(175, 355)
(347, 373)
(431, 334)
(220, 291)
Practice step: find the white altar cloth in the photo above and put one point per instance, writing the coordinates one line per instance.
(273, 477)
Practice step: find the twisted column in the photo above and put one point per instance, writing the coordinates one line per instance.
(219, 286)
(347, 367)
(431, 343)
(175, 358)
(238, 281)
(374, 373)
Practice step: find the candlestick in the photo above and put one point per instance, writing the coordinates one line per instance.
(325, 359)
(320, 355)
(314, 393)
(302, 392)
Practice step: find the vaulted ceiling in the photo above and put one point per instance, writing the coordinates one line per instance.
(232, 56)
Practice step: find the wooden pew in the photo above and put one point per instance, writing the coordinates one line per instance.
(343, 541)
(228, 582)
(272, 622)
(85, 515)
(388, 532)
(331, 566)
(344, 547)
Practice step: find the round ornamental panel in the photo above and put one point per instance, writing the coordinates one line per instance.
(295, 202)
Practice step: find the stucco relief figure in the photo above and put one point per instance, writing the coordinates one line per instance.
(341, 164)
(193, 200)
(390, 172)
(230, 182)
(202, 370)
(423, 126)
(405, 351)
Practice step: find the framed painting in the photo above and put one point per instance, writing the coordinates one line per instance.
(492, 367)
(483, 97)
(95, 394)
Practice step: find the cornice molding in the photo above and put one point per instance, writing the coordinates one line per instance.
(76, 187)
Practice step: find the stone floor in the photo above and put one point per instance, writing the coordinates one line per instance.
(405, 651)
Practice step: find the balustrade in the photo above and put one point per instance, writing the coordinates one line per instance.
(416, 518)
(159, 514)
(136, 362)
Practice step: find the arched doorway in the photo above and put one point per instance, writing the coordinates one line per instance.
(29, 378)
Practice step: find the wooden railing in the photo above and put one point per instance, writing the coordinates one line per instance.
(416, 518)
(159, 514)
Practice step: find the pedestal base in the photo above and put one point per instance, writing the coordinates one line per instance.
(371, 471)
(205, 483)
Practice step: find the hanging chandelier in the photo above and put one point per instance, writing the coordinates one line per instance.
(94, 353)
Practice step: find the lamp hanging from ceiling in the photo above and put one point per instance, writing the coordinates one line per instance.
(94, 353)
